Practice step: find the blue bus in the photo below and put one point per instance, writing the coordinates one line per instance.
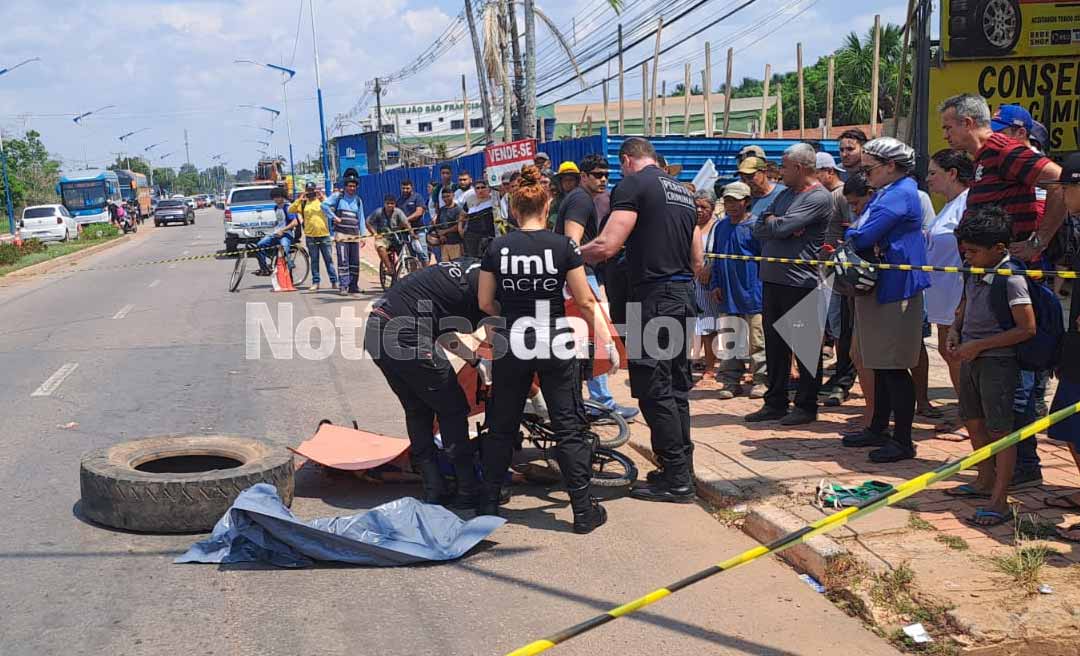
(86, 195)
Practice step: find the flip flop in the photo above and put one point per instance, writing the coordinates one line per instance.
(930, 413)
(1062, 533)
(996, 518)
(1063, 502)
(966, 491)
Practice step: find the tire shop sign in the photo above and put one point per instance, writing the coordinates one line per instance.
(986, 29)
(500, 158)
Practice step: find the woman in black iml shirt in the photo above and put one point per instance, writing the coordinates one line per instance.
(521, 279)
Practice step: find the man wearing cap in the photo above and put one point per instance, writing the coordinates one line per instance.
(793, 226)
(737, 289)
(752, 171)
(1007, 173)
(543, 162)
(654, 216)
(750, 151)
(841, 312)
(578, 220)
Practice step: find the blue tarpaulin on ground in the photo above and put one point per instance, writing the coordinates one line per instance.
(259, 528)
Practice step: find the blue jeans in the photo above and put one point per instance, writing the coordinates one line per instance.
(420, 245)
(321, 246)
(1026, 401)
(272, 240)
(598, 388)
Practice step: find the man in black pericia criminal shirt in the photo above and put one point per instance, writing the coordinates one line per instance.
(654, 215)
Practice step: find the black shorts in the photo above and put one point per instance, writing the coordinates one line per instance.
(987, 386)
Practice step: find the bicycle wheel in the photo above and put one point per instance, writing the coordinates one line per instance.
(608, 468)
(238, 271)
(610, 428)
(301, 268)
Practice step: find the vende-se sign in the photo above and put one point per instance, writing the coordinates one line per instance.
(501, 158)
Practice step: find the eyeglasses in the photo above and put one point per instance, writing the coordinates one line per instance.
(867, 169)
(748, 176)
(599, 175)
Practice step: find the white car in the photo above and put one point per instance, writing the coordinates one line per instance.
(48, 223)
(249, 214)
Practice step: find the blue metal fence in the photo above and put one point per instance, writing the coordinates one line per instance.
(691, 153)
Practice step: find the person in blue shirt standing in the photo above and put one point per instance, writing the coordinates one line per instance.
(889, 319)
(412, 205)
(344, 210)
(737, 289)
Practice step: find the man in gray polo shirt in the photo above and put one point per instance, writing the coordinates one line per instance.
(792, 227)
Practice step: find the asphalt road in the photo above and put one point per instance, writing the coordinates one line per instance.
(161, 350)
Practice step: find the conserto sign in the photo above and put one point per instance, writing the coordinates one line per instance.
(430, 108)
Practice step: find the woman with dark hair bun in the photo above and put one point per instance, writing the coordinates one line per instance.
(522, 278)
(950, 174)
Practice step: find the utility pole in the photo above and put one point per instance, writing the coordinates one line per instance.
(504, 52)
(465, 114)
(519, 73)
(378, 121)
(318, 97)
(622, 109)
(485, 104)
(187, 151)
(529, 120)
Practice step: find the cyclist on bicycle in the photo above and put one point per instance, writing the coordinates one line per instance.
(522, 277)
(281, 236)
(385, 223)
(424, 310)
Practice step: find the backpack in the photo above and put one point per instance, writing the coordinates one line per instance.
(1042, 351)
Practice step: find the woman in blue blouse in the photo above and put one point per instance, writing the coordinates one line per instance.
(889, 319)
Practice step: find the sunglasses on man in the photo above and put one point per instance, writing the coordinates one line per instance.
(599, 175)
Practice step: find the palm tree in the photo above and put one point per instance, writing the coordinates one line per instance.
(854, 68)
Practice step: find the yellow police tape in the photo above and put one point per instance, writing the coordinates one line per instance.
(1031, 273)
(897, 494)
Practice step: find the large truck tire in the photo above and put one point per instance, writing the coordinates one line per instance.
(177, 484)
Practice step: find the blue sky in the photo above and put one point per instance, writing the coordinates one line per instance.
(168, 65)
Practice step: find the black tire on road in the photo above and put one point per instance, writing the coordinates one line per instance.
(115, 492)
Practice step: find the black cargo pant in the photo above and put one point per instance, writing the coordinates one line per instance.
(844, 377)
(660, 372)
(560, 381)
(427, 387)
(777, 301)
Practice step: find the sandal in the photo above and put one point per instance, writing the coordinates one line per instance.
(1063, 533)
(1063, 502)
(967, 490)
(930, 413)
(990, 518)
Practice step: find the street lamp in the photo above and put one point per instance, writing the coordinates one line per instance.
(273, 111)
(265, 143)
(125, 136)
(287, 74)
(76, 120)
(256, 127)
(318, 95)
(3, 156)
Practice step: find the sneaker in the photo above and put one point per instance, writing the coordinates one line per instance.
(865, 438)
(342, 291)
(313, 287)
(724, 393)
(766, 414)
(835, 397)
(626, 412)
(798, 417)
(892, 452)
(263, 272)
(758, 391)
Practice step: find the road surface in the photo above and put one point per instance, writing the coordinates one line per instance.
(100, 356)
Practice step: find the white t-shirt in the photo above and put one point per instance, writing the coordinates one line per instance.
(943, 295)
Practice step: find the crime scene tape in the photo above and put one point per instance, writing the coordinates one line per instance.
(1031, 273)
(824, 525)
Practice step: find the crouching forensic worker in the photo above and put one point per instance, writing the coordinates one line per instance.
(406, 334)
(522, 278)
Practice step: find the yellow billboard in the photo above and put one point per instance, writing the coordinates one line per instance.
(1027, 82)
(984, 29)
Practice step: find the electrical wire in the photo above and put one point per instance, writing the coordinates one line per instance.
(296, 41)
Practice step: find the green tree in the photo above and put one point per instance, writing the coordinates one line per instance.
(135, 164)
(245, 175)
(165, 179)
(32, 172)
(187, 181)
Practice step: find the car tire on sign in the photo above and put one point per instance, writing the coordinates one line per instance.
(170, 484)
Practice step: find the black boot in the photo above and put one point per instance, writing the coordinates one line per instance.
(434, 485)
(489, 505)
(588, 513)
(470, 493)
(673, 485)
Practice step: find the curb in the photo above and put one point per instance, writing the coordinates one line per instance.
(764, 521)
(70, 258)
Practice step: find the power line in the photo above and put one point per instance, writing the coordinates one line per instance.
(296, 41)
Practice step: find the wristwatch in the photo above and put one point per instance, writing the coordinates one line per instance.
(1035, 242)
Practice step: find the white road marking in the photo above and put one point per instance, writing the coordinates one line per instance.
(123, 312)
(185, 252)
(153, 284)
(54, 381)
(173, 265)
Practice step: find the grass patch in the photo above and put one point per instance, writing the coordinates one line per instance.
(1023, 565)
(843, 571)
(1033, 527)
(953, 542)
(729, 517)
(892, 589)
(52, 251)
(917, 523)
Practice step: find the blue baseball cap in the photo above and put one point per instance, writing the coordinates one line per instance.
(1040, 137)
(1011, 116)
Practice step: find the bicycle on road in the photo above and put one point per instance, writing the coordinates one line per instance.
(404, 259)
(298, 259)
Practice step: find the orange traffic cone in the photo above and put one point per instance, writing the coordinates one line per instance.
(18, 239)
(282, 279)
